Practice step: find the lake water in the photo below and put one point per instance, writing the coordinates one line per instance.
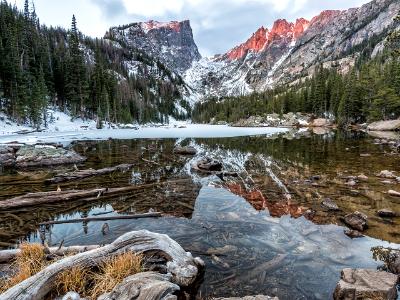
(266, 227)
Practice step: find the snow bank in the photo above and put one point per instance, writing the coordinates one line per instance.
(170, 131)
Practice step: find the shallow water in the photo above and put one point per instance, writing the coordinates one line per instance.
(254, 223)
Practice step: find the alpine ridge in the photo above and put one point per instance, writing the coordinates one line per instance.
(291, 51)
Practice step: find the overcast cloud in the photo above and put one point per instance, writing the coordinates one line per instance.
(218, 25)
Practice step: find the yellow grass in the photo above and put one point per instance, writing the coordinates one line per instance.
(74, 279)
(30, 261)
(113, 271)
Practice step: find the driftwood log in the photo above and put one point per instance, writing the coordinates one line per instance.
(33, 199)
(110, 218)
(7, 256)
(181, 264)
(72, 176)
(144, 286)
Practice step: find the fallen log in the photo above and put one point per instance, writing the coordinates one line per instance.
(7, 256)
(72, 176)
(97, 219)
(144, 286)
(34, 199)
(181, 264)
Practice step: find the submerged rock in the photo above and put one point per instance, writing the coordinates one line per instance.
(356, 221)
(387, 174)
(392, 125)
(185, 150)
(358, 284)
(394, 193)
(330, 204)
(386, 213)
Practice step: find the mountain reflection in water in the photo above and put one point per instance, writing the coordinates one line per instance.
(250, 229)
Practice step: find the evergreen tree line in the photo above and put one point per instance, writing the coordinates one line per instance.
(44, 66)
(370, 91)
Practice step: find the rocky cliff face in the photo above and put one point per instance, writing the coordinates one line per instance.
(170, 42)
(290, 51)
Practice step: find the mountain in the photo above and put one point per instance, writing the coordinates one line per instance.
(170, 42)
(290, 51)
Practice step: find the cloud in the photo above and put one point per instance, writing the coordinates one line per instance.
(218, 25)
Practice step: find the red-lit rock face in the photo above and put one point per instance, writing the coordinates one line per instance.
(174, 25)
(263, 37)
(325, 16)
(255, 43)
(300, 26)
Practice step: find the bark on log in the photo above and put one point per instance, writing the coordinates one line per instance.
(97, 219)
(33, 199)
(144, 286)
(7, 256)
(59, 178)
(182, 266)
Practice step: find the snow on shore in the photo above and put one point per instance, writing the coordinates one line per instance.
(168, 131)
(58, 121)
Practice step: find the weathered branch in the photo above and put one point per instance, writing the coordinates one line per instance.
(87, 173)
(33, 199)
(7, 256)
(181, 264)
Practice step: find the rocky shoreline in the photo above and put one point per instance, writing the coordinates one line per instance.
(302, 120)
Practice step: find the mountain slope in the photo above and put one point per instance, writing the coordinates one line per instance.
(291, 51)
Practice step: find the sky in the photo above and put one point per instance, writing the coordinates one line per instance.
(218, 25)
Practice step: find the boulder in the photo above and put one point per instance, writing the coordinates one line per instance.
(357, 221)
(330, 204)
(357, 284)
(209, 165)
(386, 213)
(37, 156)
(321, 123)
(392, 125)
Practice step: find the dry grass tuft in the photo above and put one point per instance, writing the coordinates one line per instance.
(30, 261)
(113, 271)
(75, 279)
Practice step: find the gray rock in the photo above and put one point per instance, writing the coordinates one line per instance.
(356, 221)
(46, 156)
(330, 204)
(321, 123)
(357, 284)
